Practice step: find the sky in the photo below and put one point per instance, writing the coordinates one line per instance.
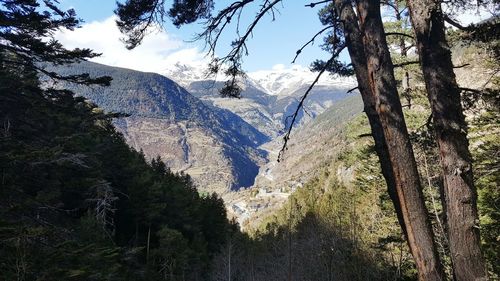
(273, 44)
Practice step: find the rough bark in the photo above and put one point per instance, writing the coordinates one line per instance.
(354, 42)
(388, 106)
(451, 135)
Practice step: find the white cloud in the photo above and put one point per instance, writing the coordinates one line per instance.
(279, 67)
(158, 51)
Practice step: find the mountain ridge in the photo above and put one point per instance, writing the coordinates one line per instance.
(268, 97)
(222, 143)
(154, 101)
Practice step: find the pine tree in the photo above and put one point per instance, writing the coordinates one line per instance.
(451, 136)
(77, 203)
(379, 91)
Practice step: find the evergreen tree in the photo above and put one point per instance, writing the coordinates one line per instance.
(374, 70)
(77, 203)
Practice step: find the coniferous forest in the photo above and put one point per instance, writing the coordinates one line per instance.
(76, 202)
(410, 190)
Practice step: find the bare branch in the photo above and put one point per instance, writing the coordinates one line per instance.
(399, 34)
(365, 135)
(301, 103)
(463, 65)
(406, 63)
(470, 90)
(352, 90)
(454, 23)
(313, 4)
(216, 25)
(310, 42)
(491, 77)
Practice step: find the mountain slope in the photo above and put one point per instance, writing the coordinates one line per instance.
(268, 97)
(311, 146)
(213, 145)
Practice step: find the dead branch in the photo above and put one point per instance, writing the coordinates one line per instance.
(313, 4)
(286, 137)
(406, 63)
(399, 34)
(454, 23)
(219, 23)
(310, 42)
(352, 90)
(463, 65)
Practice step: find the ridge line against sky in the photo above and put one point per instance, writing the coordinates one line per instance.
(272, 46)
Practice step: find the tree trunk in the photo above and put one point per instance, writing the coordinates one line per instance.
(147, 246)
(388, 106)
(356, 51)
(451, 135)
(229, 254)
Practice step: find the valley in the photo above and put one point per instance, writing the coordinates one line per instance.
(227, 145)
(122, 159)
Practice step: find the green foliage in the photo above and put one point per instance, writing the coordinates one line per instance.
(136, 16)
(337, 232)
(485, 148)
(188, 11)
(27, 38)
(333, 42)
(77, 203)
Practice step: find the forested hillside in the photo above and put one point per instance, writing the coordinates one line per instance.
(213, 145)
(76, 202)
(348, 195)
(342, 224)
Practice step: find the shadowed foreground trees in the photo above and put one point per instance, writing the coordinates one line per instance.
(76, 203)
(319, 234)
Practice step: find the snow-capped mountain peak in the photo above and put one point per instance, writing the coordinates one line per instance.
(184, 74)
(280, 80)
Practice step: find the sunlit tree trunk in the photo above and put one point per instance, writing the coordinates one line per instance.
(388, 106)
(451, 135)
(355, 47)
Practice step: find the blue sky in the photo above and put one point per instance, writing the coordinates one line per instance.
(273, 42)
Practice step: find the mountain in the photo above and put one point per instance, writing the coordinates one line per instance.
(213, 145)
(221, 142)
(268, 97)
(311, 147)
